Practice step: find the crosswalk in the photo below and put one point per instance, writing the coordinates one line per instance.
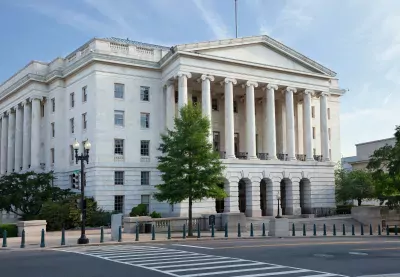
(180, 263)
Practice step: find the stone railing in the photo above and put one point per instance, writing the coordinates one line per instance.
(161, 224)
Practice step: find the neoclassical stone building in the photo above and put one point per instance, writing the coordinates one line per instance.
(274, 114)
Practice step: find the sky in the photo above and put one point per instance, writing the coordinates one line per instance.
(358, 39)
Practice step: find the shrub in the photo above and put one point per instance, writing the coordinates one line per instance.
(12, 230)
(154, 214)
(344, 209)
(139, 210)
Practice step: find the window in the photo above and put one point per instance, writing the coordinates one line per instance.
(119, 118)
(144, 94)
(329, 133)
(144, 120)
(313, 132)
(145, 148)
(145, 178)
(42, 110)
(72, 100)
(72, 153)
(235, 107)
(145, 199)
(119, 203)
(119, 147)
(216, 141)
(119, 178)
(52, 155)
(84, 94)
(329, 113)
(194, 100)
(214, 104)
(53, 131)
(53, 105)
(71, 123)
(313, 111)
(84, 121)
(119, 90)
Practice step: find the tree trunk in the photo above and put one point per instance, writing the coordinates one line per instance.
(190, 223)
(359, 200)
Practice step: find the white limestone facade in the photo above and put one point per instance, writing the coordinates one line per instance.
(274, 113)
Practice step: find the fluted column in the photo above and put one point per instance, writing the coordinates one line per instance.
(18, 138)
(26, 138)
(4, 140)
(290, 130)
(170, 105)
(270, 133)
(182, 88)
(35, 134)
(11, 141)
(250, 120)
(307, 128)
(229, 119)
(206, 100)
(324, 125)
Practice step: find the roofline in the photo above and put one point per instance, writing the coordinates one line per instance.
(372, 141)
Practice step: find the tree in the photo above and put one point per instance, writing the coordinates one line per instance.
(25, 193)
(384, 164)
(355, 184)
(190, 167)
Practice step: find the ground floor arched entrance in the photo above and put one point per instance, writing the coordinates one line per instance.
(305, 196)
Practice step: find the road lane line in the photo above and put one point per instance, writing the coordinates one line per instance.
(377, 249)
(214, 267)
(184, 261)
(291, 244)
(163, 257)
(358, 253)
(227, 261)
(194, 246)
(381, 275)
(275, 273)
(320, 275)
(238, 270)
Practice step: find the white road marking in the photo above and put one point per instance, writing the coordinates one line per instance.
(194, 246)
(358, 253)
(179, 263)
(382, 275)
(324, 255)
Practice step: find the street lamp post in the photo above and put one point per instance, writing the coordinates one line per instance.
(82, 158)
(278, 197)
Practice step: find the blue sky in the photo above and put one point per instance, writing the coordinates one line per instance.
(358, 39)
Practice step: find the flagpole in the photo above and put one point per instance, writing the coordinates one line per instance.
(236, 25)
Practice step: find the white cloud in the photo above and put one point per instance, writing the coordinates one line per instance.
(212, 19)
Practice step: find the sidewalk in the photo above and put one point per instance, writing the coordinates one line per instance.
(53, 239)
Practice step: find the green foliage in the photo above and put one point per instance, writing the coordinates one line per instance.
(154, 214)
(139, 210)
(355, 184)
(12, 230)
(384, 164)
(190, 167)
(25, 193)
(66, 213)
(344, 209)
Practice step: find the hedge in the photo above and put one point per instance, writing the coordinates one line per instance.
(12, 230)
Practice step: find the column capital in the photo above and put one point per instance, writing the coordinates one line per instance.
(40, 98)
(170, 83)
(229, 80)
(25, 102)
(323, 93)
(272, 86)
(206, 77)
(309, 92)
(291, 89)
(250, 84)
(183, 73)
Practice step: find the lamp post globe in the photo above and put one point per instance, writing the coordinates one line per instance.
(83, 157)
(278, 197)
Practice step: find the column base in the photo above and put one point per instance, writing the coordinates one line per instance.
(292, 159)
(253, 213)
(253, 158)
(231, 157)
(272, 158)
(309, 160)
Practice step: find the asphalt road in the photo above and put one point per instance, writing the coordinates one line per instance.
(316, 257)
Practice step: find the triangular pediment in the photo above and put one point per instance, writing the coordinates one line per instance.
(258, 50)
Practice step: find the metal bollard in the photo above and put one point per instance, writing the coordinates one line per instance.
(387, 230)
(395, 230)
(362, 230)
(198, 230)
(212, 230)
(263, 230)
(4, 238)
(137, 232)
(153, 232)
(379, 230)
(352, 230)
(23, 239)
(370, 230)
(334, 229)
(324, 229)
(169, 231)
(344, 230)
(239, 231)
(293, 230)
(101, 234)
(184, 231)
(226, 229)
(42, 240)
(304, 230)
(251, 230)
(120, 234)
(315, 230)
(62, 236)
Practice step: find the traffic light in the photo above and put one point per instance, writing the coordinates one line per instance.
(75, 181)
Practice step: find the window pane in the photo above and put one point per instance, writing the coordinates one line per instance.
(119, 177)
(119, 118)
(144, 93)
(145, 199)
(119, 147)
(144, 148)
(119, 91)
(145, 120)
(145, 178)
(119, 203)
